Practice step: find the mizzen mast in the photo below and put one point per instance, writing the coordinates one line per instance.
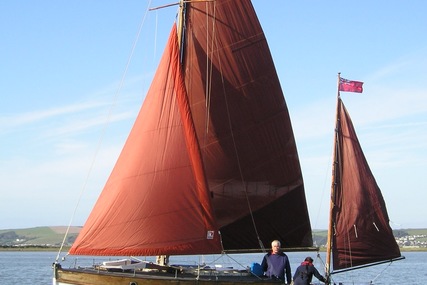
(335, 169)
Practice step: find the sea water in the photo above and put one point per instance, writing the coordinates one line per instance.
(26, 267)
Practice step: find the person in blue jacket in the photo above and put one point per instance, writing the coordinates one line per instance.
(305, 273)
(276, 264)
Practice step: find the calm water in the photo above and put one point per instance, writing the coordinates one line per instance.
(35, 267)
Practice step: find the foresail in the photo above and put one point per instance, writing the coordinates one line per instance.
(362, 233)
(155, 200)
(243, 127)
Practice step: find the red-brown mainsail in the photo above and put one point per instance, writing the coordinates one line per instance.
(211, 163)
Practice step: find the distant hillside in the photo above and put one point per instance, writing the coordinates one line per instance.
(53, 236)
(47, 236)
(406, 238)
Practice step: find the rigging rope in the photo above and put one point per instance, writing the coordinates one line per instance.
(209, 67)
(116, 95)
(379, 274)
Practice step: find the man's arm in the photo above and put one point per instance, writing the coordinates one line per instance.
(318, 275)
(264, 264)
(288, 271)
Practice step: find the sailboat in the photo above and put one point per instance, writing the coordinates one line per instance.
(359, 233)
(210, 165)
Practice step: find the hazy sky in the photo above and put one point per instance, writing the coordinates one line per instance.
(62, 64)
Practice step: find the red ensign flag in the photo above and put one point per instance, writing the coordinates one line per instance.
(350, 86)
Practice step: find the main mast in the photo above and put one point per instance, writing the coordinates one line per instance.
(333, 189)
(164, 259)
(181, 24)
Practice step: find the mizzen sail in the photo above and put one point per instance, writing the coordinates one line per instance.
(361, 230)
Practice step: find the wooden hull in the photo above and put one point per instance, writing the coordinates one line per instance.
(98, 277)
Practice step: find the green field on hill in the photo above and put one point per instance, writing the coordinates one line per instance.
(53, 237)
(46, 236)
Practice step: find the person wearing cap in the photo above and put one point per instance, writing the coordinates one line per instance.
(305, 273)
(276, 264)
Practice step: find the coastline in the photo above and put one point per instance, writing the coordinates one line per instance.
(64, 249)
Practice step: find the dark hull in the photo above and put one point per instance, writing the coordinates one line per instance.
(101, 277)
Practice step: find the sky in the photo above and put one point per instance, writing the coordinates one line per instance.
(73, 75)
